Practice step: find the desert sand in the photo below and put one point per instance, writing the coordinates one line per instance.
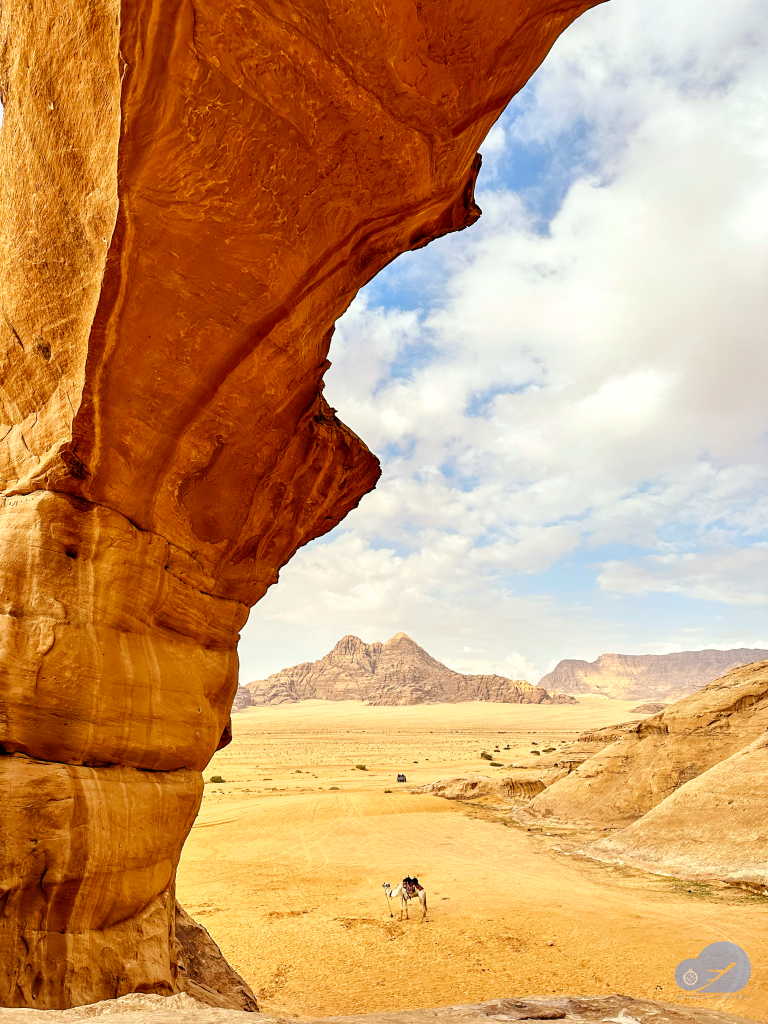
(286, 871)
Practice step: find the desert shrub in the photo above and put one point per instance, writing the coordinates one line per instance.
(387, 790)
(217, 778)
(495, 764)
(486, 756)
(536, 752)
(333, 787)
(361, 767)
(548, 750)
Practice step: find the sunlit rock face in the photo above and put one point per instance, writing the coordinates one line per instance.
(190, 194)
(656, 757)
(397, 672)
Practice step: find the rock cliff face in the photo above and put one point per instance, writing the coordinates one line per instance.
(395, 672)
(687, 787)
(643, 676)
(190, 195)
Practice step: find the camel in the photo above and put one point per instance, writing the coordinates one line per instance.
(409, 889)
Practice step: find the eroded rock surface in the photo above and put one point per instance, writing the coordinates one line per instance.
(714, 827)
(657, 756)
(616, 1009)
(480, 788)
(190, 195)
(648, 676)
(391, 673)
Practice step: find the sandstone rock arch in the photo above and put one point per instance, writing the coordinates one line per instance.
(191, 192)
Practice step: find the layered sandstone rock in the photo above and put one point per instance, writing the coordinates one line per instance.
(644, 676)
(714, 827)
(393, 673)
(190, 195)
(481, 789)
(87, 865)
(657, 756)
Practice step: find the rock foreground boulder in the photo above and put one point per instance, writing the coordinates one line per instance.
(182, 1009)
(393, 673)
(191, 193)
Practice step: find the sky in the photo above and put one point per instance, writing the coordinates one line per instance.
(568, 399)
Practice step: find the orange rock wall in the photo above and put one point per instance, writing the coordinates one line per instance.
(191, 193)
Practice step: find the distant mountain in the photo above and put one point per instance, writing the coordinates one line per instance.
(644, 676)
(391, 673)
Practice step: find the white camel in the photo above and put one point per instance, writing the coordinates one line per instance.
(408, 892)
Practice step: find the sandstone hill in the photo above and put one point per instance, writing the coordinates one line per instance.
(687, 787)
(647, 676)
(715, 826)
(391, 673)
(683, 792)
(659, 754)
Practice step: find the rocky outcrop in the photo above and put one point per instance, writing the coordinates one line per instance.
(482, 789)
(182, 1009)
(202, 970)
(647, 676)
(87, 861)
(658, 755)
(393, 673)
(714, 827)
(598, 739)
(190, 195)
(243, 699)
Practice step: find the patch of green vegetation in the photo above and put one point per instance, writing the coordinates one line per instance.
(217, 778)
(496, 764)
(486, 756)
(387, 790)
(536, 752)
(361, 767)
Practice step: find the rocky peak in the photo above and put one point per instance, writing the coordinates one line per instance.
(398, 671)
(648, 676)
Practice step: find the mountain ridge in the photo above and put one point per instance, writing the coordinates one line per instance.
(396, 672)
(648, 676)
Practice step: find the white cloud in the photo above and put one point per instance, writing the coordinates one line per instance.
(565, 389)
(731, 575)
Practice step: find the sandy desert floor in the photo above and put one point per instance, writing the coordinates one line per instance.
(286, 862)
